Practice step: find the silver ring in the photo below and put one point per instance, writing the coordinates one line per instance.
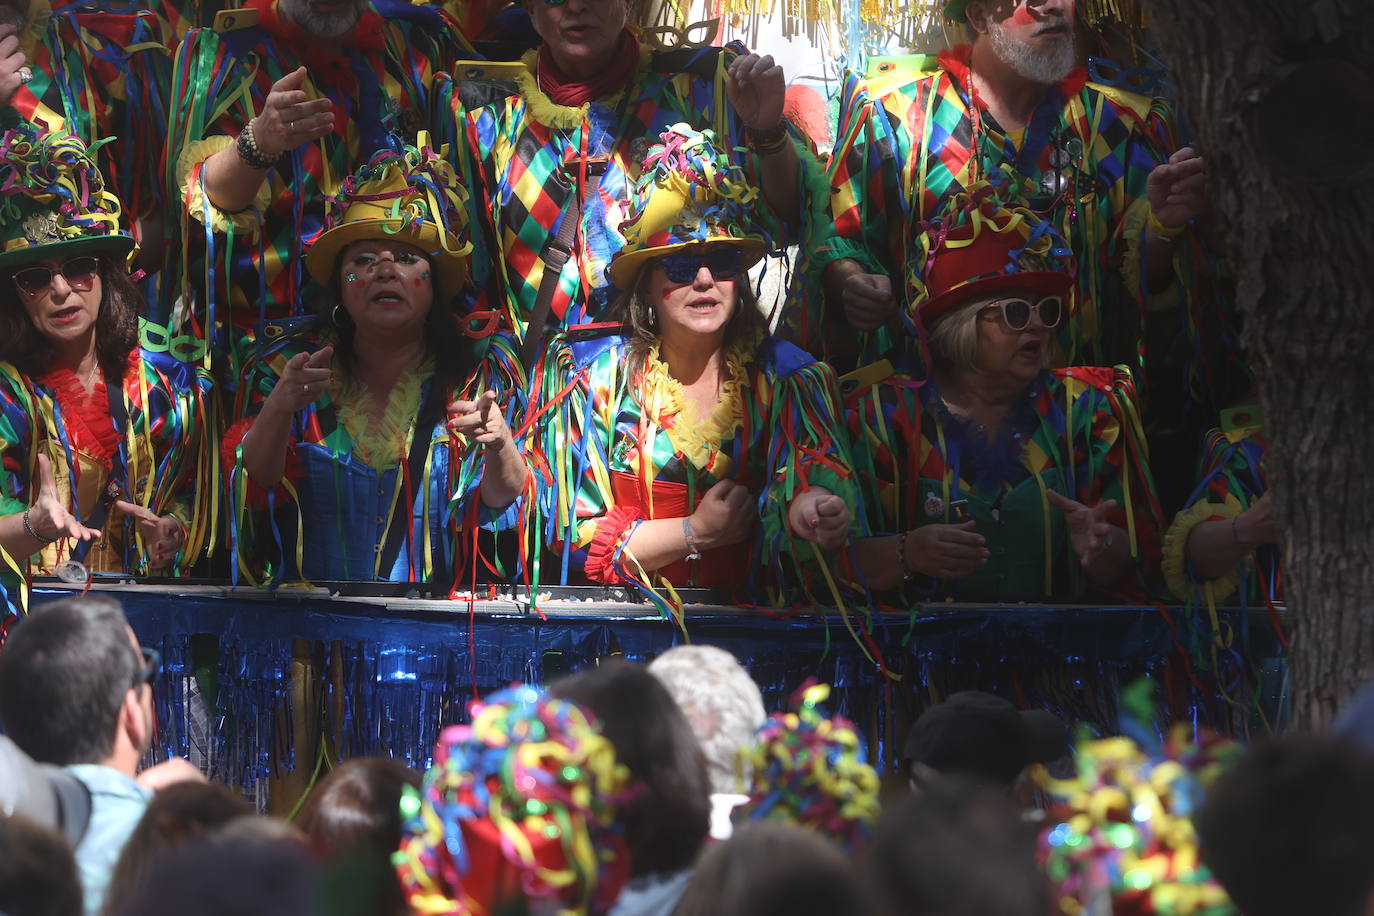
(25, 76)
(305, 388)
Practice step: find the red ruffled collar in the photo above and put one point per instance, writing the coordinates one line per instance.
(86, 416)
(956, 62)
(366, 36)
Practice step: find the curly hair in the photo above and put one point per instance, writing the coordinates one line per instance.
(116, 325)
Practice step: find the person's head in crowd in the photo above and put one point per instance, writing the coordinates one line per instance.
(1287, 829)
(63, 257)
(996, 283)
(37, 872)
(774, 869)
(1119, 836)
(667, 819)
(176, 815)
(960, 848)
(810, 770)
(353, 820)
(230, 872)
(582, 39)
(75, 687)
(1032, 38)
(722, 704)
(327, 19)
(980, 736)
(393, 280)
(518, 810)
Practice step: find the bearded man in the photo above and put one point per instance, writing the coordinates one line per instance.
(274, 107)
(1102, 163)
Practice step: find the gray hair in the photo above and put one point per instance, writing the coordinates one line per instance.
(721, 702)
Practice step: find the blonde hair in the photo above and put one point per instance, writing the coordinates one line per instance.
(953, 339)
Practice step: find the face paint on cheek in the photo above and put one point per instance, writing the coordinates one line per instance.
(351, 278)
(667, 291)
(1022, 16)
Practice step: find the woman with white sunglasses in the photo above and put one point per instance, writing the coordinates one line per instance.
(996, 476)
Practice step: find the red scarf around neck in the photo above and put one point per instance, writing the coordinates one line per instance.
(616, 75)
(958, 60)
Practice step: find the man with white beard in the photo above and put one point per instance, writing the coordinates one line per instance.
(1102, 162)
(272, 109)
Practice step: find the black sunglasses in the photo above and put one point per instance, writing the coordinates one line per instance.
(79, 273)
(682, 267)
(1017, 312)
(152, 667)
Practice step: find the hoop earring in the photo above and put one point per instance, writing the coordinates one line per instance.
(339, 316)
(651, 315)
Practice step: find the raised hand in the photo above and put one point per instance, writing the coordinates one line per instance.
(14, 66)
(1178, 189)
(162, 534)
(48, 516)
(946, 551)
(820, 516)
(868, 301)
(725, 515)
(480, 421)
(305, 378)
(289, 117)
(757, 90)
(1089, 531)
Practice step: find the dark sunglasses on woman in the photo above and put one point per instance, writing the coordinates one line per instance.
(682, 267)
(79, 273)
(1016, 313)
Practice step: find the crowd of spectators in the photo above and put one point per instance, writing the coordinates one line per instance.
(595, 796)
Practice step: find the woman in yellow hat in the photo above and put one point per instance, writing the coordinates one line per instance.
(101, 440)
(687, 445)
(388, 428)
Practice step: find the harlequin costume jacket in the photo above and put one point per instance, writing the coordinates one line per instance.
(530, 155)
(367, 498)
(1076, 431)
(144, 435)
(102, 75)
(241, 268)
(611, 451)
(1233, 479)
(908, 138)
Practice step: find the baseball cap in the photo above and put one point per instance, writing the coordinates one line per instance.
(980, 735)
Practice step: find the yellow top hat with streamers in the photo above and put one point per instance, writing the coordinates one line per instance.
(414, 196)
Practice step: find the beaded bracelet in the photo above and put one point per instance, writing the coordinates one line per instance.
(249, 151)
(692, 543)
(28, 527)
(767, 142)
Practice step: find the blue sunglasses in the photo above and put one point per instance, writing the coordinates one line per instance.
(723, 263)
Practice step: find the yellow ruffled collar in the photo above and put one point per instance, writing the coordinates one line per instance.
(666, 404)
(380, 438)
(564, 117)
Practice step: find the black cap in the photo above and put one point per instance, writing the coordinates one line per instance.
(979, 735)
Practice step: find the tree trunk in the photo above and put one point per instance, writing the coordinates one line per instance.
(1280, 98)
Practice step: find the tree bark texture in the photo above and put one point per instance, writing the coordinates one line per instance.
(1279, 95)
